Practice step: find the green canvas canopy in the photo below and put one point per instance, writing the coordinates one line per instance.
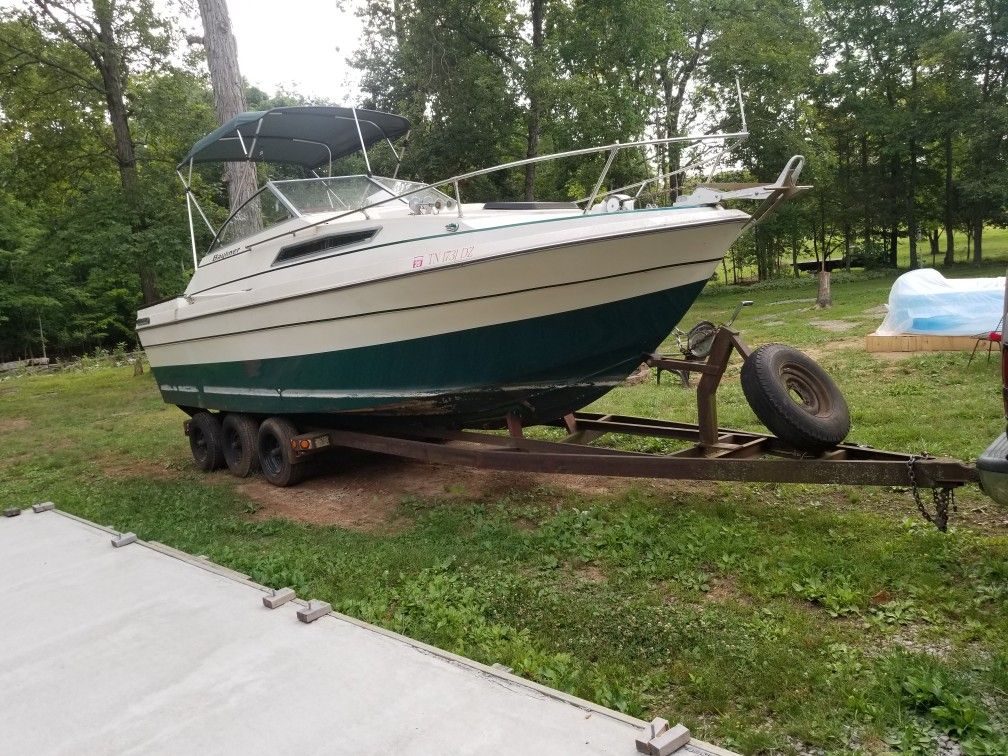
(306, 136)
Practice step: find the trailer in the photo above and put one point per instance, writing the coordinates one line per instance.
(283, 451)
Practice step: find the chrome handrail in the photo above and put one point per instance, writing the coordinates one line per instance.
(613, 149)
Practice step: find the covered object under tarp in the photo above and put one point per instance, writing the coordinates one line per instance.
(145, 649)
(924, 302)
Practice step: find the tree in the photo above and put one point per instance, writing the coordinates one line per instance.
(69, 244)
(984, 186)
(110, 36)
(229, 94)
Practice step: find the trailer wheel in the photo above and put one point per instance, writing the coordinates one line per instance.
(795, 398)
(239, 437)
(205, 441)
(275, 456)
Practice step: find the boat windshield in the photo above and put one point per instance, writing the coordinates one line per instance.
(279, 201)
(262, 210)
(344, 193)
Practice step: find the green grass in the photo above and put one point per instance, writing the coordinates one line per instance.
(767, 618)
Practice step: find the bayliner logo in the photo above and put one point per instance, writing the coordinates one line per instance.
(223, 255)
(458, 254)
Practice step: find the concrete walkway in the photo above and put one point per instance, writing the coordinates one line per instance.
(144, 649)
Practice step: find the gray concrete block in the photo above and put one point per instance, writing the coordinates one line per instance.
(123, 539)
(651, 730)
(277, 598)
(11, 512)
(501, 667)
(671, 741)
(45, 506)
(313, 611)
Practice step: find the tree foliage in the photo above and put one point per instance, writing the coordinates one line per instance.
(901, 110)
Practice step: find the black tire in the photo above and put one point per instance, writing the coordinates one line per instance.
(795, 398)
(205, 441)
(239, 442)
(276, 458)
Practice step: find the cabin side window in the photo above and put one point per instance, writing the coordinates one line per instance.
(324, 244)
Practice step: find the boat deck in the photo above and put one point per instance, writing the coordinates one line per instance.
(143, 648)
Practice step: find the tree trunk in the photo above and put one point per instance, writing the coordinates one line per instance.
(978, 241)
(229, 97)
(949, 220)
(893, 246)
(847, 238)
(864, 192)
(823, 297)
(532, 90)
(911, 207)
(109, 62)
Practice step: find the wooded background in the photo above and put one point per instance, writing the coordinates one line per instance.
(901, 110)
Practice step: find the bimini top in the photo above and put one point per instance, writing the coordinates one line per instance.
(306, 136)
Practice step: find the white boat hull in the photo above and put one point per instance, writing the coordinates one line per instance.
(472, 332)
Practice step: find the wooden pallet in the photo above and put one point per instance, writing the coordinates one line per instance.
(913, 343)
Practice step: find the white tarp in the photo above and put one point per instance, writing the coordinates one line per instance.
(925, 302)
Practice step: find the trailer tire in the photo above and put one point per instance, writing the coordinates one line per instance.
(795, 398)
(239, 442)
(205, 441)
(276, 459)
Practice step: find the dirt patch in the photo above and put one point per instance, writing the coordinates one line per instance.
(124, 467)
(879, 311)
(589, 573)
(818, 351)
(834, 326)
(725, 588)
(364, 492)
(893, 356)
(11, 424)
(641, 375)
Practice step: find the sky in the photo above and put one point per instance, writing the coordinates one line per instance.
(298, 44)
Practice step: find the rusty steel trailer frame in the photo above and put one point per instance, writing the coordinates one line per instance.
(715, 453)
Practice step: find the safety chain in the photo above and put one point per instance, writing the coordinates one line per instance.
(944, 497)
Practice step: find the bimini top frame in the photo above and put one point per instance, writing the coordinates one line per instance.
(247, 138)
(310, 137)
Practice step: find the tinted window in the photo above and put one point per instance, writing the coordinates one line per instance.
(325, 243)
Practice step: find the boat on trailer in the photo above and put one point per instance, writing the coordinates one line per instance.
(365, 300)
(383, 315)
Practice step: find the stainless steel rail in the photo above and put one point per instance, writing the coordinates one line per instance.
(453, 181)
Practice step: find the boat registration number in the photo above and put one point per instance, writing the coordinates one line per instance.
(432, 259)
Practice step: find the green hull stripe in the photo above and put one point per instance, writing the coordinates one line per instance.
(547, 366)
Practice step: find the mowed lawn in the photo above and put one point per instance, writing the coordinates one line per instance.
(769, 619)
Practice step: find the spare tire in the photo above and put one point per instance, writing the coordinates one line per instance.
(795, 398)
